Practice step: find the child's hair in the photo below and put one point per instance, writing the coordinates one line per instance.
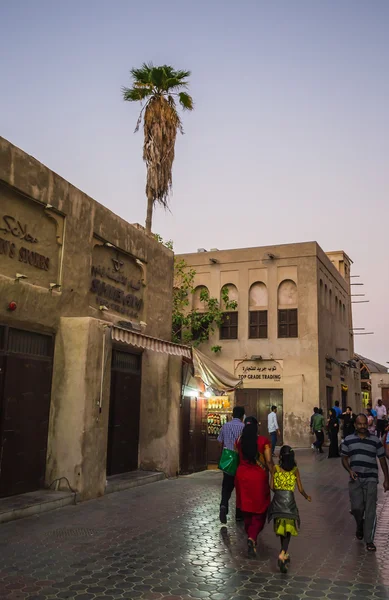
(287, 460)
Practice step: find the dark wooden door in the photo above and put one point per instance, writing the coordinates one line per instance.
(385, 396)
(24, 423)
(258, 402)
(124, 413)
(249, 400)
(193, 435)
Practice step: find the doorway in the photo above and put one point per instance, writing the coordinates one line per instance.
(124, 413)
(26, 362)
(344, 399)
(258, 403)
(193, 455)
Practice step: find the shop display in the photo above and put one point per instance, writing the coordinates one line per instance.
(218, 413)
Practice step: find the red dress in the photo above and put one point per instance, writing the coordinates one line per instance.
(252, 482)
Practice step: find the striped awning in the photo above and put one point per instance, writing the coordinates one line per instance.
(146, 342)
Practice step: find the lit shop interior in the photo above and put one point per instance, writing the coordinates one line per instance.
(207, 403)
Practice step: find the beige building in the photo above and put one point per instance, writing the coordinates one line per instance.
(290, 340)
(90, 385)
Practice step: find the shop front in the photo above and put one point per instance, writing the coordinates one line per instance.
(262, 382)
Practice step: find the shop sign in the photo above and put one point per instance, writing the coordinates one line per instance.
(30, 239)
(259, 373)
(116, 282)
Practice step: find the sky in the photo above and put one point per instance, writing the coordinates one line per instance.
(288, 142)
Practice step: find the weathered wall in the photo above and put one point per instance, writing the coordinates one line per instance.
(73, 241)
(159, 422)
(78, 428)
(377, 381)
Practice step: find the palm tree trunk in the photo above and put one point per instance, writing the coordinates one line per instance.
(149, 217)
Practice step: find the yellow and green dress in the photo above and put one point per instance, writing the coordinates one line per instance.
(283, 508)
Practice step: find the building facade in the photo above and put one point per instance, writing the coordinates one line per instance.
(90, 385)
(290, 339)
(374, 381)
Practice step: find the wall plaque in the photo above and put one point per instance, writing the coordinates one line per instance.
(116, 282)
(31, 239)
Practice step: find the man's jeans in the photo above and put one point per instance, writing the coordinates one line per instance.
(227, 489)
(273, 437)
(363, 498)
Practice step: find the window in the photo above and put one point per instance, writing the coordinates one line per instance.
(287, 309)
(258, 324)
(229, 326)
(198, 303)
(287, 323)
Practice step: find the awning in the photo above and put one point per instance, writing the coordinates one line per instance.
(212, 374)
(149, 343)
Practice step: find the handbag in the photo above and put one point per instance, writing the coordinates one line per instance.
(229, 462)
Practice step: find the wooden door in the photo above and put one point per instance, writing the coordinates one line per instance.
(24, 424)
(385, 396)
(193, 435)
(200, 436)
(249, 400)
(124, 413)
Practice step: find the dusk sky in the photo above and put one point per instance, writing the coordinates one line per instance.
(289, 140)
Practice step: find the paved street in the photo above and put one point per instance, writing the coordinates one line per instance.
(164, 541)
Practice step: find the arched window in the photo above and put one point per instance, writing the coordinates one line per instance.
(258, 301)
(287, 309)
(198, 302)
(330, 301)
(325, 295)
(336, 307)
(229, 325)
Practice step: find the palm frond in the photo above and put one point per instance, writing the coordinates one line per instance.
(136, 94)
(186, 101)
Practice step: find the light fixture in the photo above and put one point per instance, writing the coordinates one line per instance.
(208, 395)
(103, 308)
(48, 206)
(12, 306)
(108, 245)
(20, 276)
(139, 262)
(54, 286)
(214, 261)
(143, 324)
(192, 393)
(271, 256)
(256, 357)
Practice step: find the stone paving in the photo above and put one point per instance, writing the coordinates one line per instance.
(164, 541)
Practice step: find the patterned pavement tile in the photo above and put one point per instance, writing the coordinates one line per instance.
(164, 542)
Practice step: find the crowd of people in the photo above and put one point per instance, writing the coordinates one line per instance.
(249, 468)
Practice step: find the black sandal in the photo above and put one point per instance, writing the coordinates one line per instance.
(371, 547)
(282, 565)
(252, 551)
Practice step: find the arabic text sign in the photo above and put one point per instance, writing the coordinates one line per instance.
(259, 373)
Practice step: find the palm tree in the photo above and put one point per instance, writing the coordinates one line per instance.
(159, 87)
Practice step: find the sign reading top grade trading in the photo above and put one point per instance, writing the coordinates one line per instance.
(116, 282)
(259, 373)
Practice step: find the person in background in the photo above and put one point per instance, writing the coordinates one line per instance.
(311, 425)
(337, 409)
(348, 419)
(360, 452)
(370, 421)
(228, 436)
(317, 426)
(373, 412)
(272, 427)
(252, 481)
(382, 417)
(283, 509)
(333, 430)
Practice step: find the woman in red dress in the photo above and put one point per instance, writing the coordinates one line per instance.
(252, 481)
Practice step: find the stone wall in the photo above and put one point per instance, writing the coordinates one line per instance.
(65, 244)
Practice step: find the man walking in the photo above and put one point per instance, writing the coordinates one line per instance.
(273, 429)
(360, 452)
(381, 418)
(337, 409)
(228, 436)
(318, 429)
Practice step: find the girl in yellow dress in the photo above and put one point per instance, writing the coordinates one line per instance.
(283, 509)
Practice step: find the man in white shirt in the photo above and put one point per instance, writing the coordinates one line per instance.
(273, 429)
(382, 418)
